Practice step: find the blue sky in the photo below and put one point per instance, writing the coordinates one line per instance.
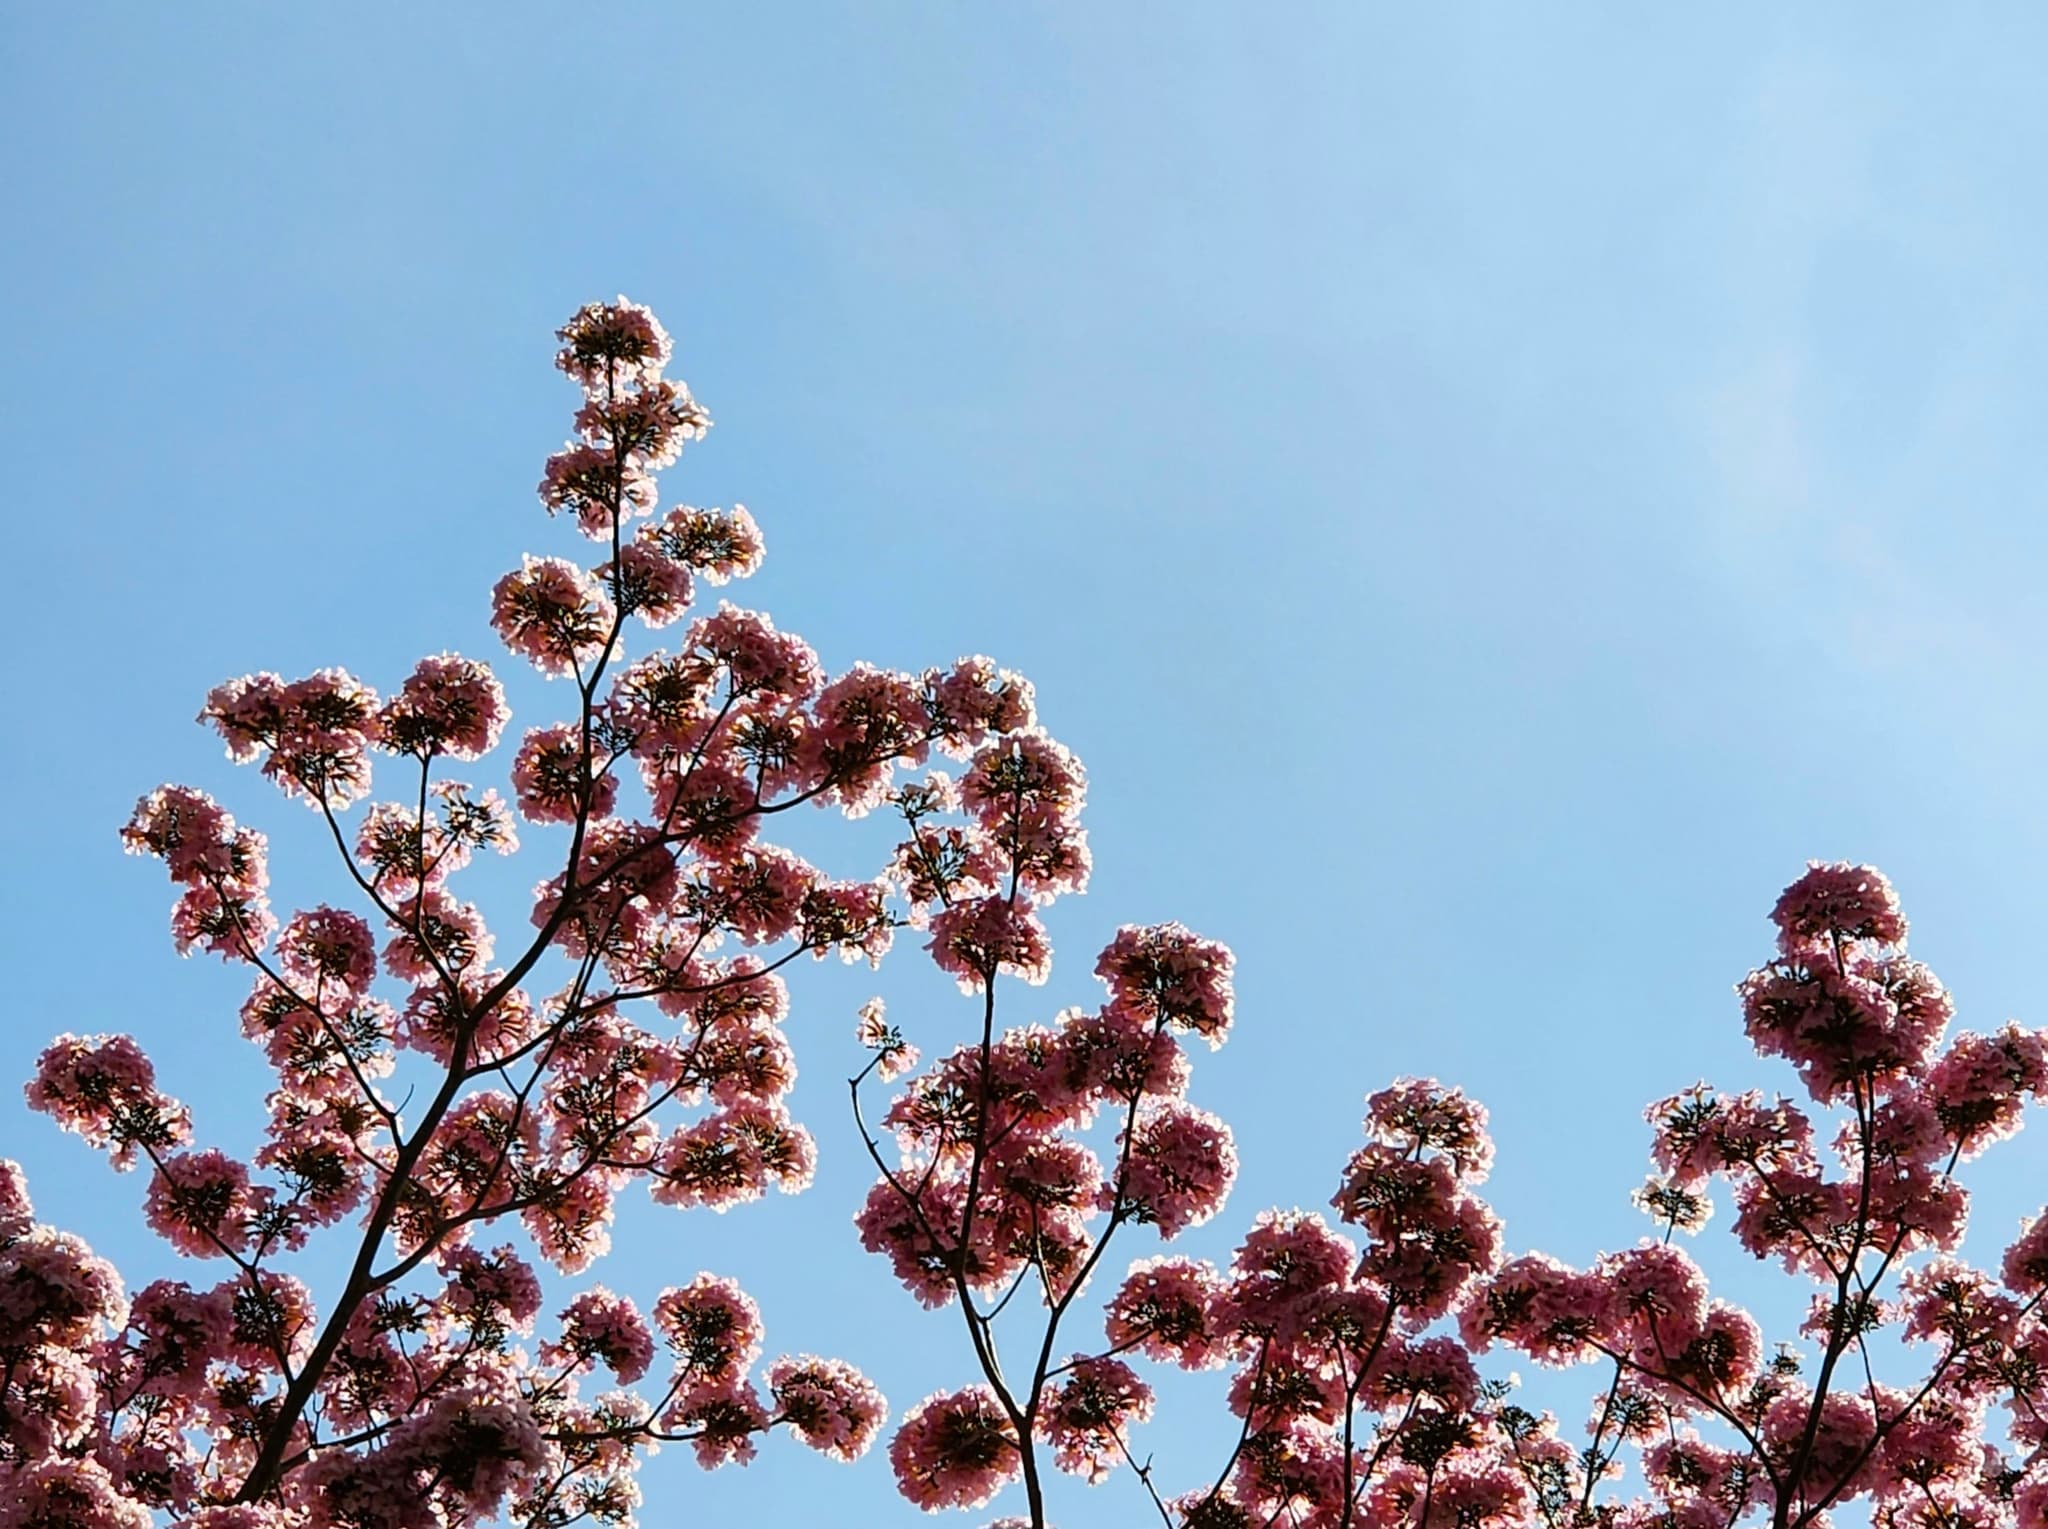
(1487, 493)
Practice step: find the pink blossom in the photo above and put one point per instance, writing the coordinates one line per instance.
(647, 427)
(712, 1326)
(548, 777)
(313, 734)
(593, 485)
(1878, 1019)
(1165, 974)
(56, 1290)
(17, 1214)
(202, 1203)
(429, 1020)
(721, 1421)
(759, 893)
(598, 1325)
(648, 583)
(571, 1222)
(232, 928)
(449, 705)
(272, 1320)
(1167, 1308)
(975, 698)
(102, 1088)
(730, 1157)
(862, 724)
(196, 839)
(329, 945)
(719, 544)
(1424, 1115)
(435, 937)
(553, 614)
(67, 1494)
(1284, 1269)
(975, 939)
(758, 660)
(499, 1286)
(1852, 902)
(2025, 1268)
(832, 1406)
(1534, 1303)
(1978, 1086)
(1086, 1416)
(613, 344)
(955, 1450)
(1181, 1164)
(1837, 1460)
(1120, 1056)
(894, 1057)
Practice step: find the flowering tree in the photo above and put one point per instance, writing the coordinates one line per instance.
(428, 1105)
(1355, 1389)
(408, 1393)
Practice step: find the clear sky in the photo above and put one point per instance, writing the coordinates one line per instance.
(1489, 491)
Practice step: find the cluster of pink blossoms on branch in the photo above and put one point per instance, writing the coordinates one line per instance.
(1916, 1385)
(458, 1104)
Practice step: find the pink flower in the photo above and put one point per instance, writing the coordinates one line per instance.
(647, 427)
(1536, 1304)
(712, 1326)
(203, 1204)
(68, 1494)
(955, 1450)
(1979, 1085)
(975, 939)
(102, 1088)
(435, 938)
(2025, 1268)
(1165, 974)
(648, 583)
(548, 777)
(1284, 1271)
(313, 735)
(55, 1290)
(497, 1287)
(613, 344)
(17, 1215)
(329, 946)
(758, 659)
(450, 705)
(553, 614)
(594, 486)
(1658, 1298)
(272, 1320)
(1424, 1115)
(1168, 1308)
(599, 1325)
(1087, 1415)
(722, 1422)
(1180, 1167)
(832, 1406)
(571, 1223)
(975, 698)
(1852, 902)
(1877, 1020)
(862, 724)
(730, 1157)
(719, 544)
(878, 1035)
